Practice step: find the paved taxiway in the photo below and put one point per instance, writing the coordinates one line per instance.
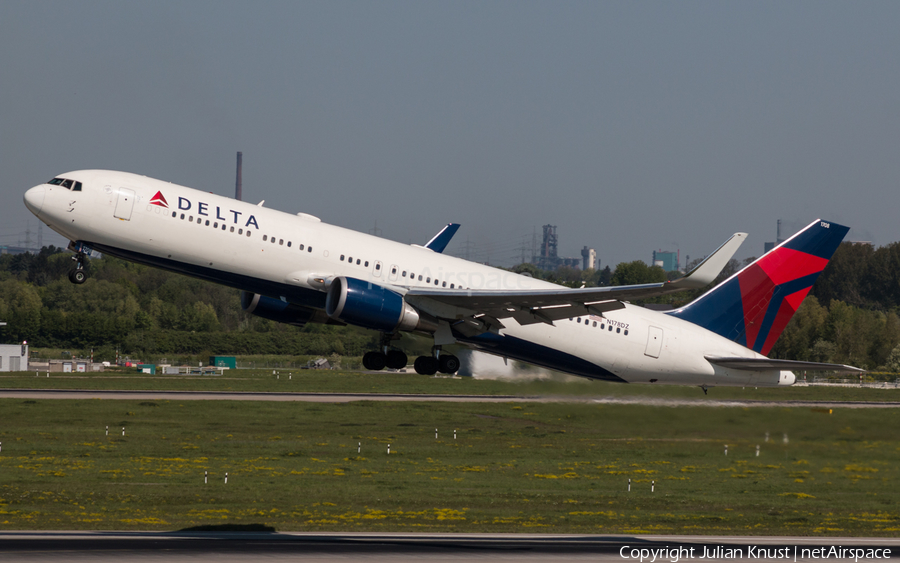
(260, 546)
(350, 397)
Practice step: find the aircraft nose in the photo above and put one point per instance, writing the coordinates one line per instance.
(34, 199)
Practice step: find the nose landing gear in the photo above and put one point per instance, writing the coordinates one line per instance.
(77, 275)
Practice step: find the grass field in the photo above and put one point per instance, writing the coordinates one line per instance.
(512, 467)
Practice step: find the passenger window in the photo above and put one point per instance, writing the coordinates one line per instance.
(207, 222)
(301, 247)
(215, 225)
(342, 257)
(444, 284)
(610, 328)
(618, 330)
(626, 333)
(435, 282)
(367, 264)
(452, 285)
(248, 232)
(309, 249)
(393, 270)
(595, 324)
(578, 320)
(174, 214)
(265, 237)
(273, 240)
(420, 277)
(240, 231)
(357, 262)
(191, 219)
(377, 266)
(404, 273)
(182, 216)
(289, 244)
(350, 259)
(232, 229)
(223, 227)
(281, 242)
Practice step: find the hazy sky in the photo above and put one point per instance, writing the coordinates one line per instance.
(632, 126)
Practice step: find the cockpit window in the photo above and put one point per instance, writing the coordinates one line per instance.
(68, 184)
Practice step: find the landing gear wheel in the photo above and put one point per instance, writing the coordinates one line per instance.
(448, 363)
(77, 276)
(374, 361)
(396, 359)
(426, 365)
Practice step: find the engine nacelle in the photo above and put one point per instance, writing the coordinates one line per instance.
(368, 305)
(278, 310)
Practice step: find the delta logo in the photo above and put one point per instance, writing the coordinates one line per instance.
(159, 200)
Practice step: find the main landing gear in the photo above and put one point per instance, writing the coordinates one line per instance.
(77, 275)
(437, 362)
(387, 358)
(395, 359)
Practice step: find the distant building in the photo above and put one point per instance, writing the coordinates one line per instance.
(668, 261)
(778, 239)
(13, 357)
(589, 258)
(16, 250)
(549, 258)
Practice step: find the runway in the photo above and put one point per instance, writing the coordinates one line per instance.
(703, 401)
(272, 546)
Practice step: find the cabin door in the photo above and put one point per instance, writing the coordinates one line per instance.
(124, 204)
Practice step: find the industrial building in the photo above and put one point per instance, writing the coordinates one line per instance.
(666, 260)
(778, 239)
(549, 258)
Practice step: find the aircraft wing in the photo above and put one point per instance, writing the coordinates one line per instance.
(548, 305)
(756, 364)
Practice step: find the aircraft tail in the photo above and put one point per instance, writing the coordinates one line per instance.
(753, 306)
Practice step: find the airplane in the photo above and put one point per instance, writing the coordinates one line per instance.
(296, 269)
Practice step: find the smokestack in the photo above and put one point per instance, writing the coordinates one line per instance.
(238, 183)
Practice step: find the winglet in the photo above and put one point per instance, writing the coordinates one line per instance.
(707, 271)
(440, 241)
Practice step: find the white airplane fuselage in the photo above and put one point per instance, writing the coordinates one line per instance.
(293, 257)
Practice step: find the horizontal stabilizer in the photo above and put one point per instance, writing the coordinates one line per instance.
(757, 364)
(440, 241)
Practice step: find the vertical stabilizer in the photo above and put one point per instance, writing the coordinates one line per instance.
(753, 306)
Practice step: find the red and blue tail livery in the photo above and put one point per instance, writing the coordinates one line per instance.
(754, 306)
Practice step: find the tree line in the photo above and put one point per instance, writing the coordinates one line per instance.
(851, 315)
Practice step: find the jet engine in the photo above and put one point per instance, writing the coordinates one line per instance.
(368, 305)
(279, 311)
